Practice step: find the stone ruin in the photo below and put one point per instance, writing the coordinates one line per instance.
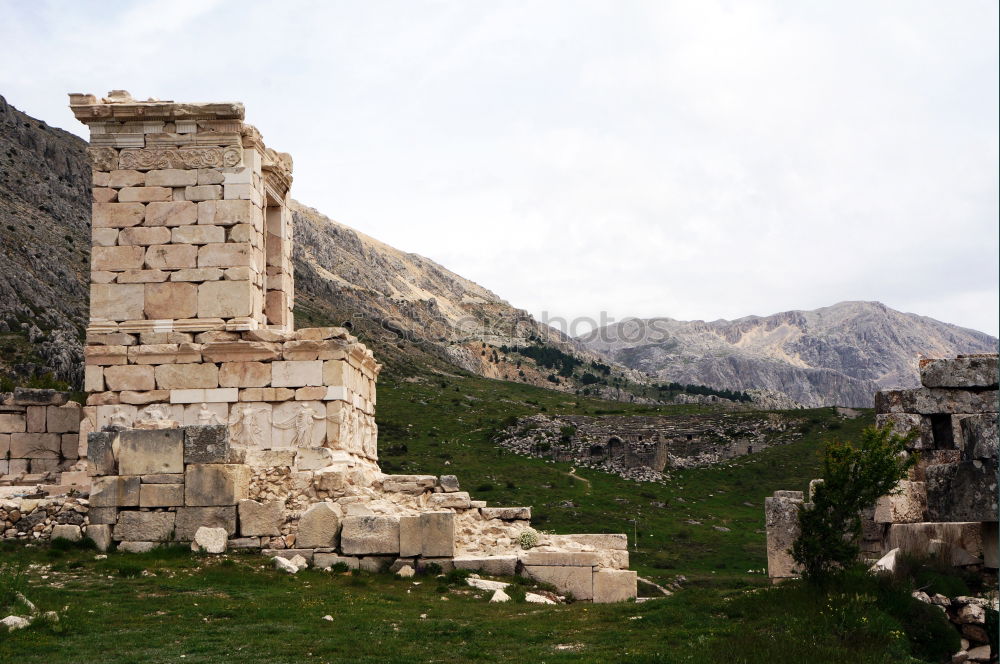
(210, 418)
(947, 507)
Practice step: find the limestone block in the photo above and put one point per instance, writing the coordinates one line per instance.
(560, 558)
(261, 519)
(100, 445)
(334, 372)
(316, 459)
(239, 351)
(206, 413)
(163, 478)
(903, 423)
(172, 177)
(35, 445)
(222, 395)
(325, 560)
(320, 333)
(251, 426)
(506, 513)
(215, 484)
(449, 484)
(126, 178)
(190, 519)
(161, 495)
(136, 547)
(164, 353)
(906, 506)
(144, 194)
(206, 444)
(129, 377)
(781, 515)
(209, 176)
(244, 374)
(151, 451)
(144, 398)
(117, 215)
(225, 254)
(197, 274)
(144, 235)
(270, 458)
(963, 491)
(186, 376)
(456, 500)
(171, 300)
(141, 276)
(70, 446)
(63, 419)
(174, 213)
(116, 258)
(198, 234)
(171, 256)
(209, 540)
(35, 417)
(576, 581)
(13, 423)
(104, 194)
(615, 586)
(104, 515)
(612, 542)
(410, 540)
(296, 373)
(437, 532)
(100, 534)
(225, 299)
(376, 564)
(144, 526)
(961, 372)
(916, 538)
(364, 535)
(319, 527)
(931, 401)
(67, 532)
(106, 415)
(298, 424)
(314, 393)
(978, 437)
(492, 565)
(204, 192)
(225, 213)
(104, 237)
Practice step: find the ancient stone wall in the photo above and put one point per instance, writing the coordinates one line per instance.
(39, 437)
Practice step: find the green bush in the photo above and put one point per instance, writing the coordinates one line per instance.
(854, 477)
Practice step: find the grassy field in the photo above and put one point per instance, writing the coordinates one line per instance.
(170, 605)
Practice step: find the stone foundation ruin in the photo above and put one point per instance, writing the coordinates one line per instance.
(210, 418)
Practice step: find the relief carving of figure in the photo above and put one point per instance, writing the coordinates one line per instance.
(207, 417)
(244, 427)
(119, 418)
(301, 423)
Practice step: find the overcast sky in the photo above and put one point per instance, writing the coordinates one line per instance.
(696, 160)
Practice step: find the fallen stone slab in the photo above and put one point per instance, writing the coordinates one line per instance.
(209, 540)
(615, 586)
(576, 581)
(485, 584)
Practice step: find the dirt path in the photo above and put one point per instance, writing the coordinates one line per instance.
(572, 473)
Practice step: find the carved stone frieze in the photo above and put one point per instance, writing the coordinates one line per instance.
(103, 159)
(157, 158)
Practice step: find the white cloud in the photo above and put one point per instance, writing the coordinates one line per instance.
(690, 159)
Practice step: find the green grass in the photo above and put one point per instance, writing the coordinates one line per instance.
(166, 604)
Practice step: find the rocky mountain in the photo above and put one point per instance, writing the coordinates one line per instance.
(834, 355)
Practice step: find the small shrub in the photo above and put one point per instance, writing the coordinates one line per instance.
(339, 568)
(528, 539)
(430, 569)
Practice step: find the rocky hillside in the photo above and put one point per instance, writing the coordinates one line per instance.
(834, 355)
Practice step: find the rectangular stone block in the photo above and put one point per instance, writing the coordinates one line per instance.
(319, 526)
(226, 299)
(206, 444)
(976, 371)
(161, 495)
(491, 565)
(13, 422)
(916, 538)
(116, 302)
(978, 437)
(129, 377)
(115, 491)
(141, 276)
(144, 526)
(102, 515)
(437, 533)
(606, 541)
(125, 178)
(144, 235)
(904, 423)
(506, 513)
(932, 401)
(324, 560)
(365, 535)
(190, 519)
(455, 500)
(963, 491)
(174, 213)
(906, 506)
(171, 300)
(100, 445)
(225, 213)
(410, 540)
(63, 419)
(117, 215)
(35, 445)
(204, 192)
(245, 374)
(163, 478)
(296, 373)
(615, 586)
(186, 376)
(261, 519)
(172, 177)
(781, 516)
(197, 274)
(151, 451)
(560, 558)
(35, 416)
(576, 581)
(225, 254)
(171, 256)
(216, 484)
(104, 237)
(198, 234)
(116, 258)
(144, 194)
(222, 395)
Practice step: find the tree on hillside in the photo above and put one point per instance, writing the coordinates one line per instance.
(854, 477)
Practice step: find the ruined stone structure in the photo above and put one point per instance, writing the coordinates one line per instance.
(39, 438)
(643, 447)
(210, 419)
(948, 504)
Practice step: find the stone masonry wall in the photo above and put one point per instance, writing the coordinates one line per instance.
(39, 436)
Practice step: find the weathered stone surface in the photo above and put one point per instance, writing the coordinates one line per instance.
(174, 213)
(225, 299)
(904, 423)
(35, 445)
(931, 401)
(171, 300)
(410, 540)
(144, 194)
(991, 543)
(144, 235)
(171, 256)
(363, 535)
(101, 535)
(116, 302)
(144, 526)
(161, 495)
(375, 564)
(163, 478)
(261, 519)
(449, 483)
(506, 513)
(960, 372)
(63, 419)
(206, 444)
(117, 215)
(245, 374)
(560, 558)
(129, 377)
(457, 500)
(296, 373)
(115, 491)
(209, 540)
(575, 581)
(137, 547)
(492, 565)
(215, 484)
(186, 376)
(13, 422)
(319, 527)
(189, 519)
(964, 491)
(781, 516)
(915, 538)
(608, 541)
(978, 437)
(67, 532)
(906, 506)
(326, 560)
(437, 534)
(615, 586)
(289, 554)
(102, 515)
(145, 451)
